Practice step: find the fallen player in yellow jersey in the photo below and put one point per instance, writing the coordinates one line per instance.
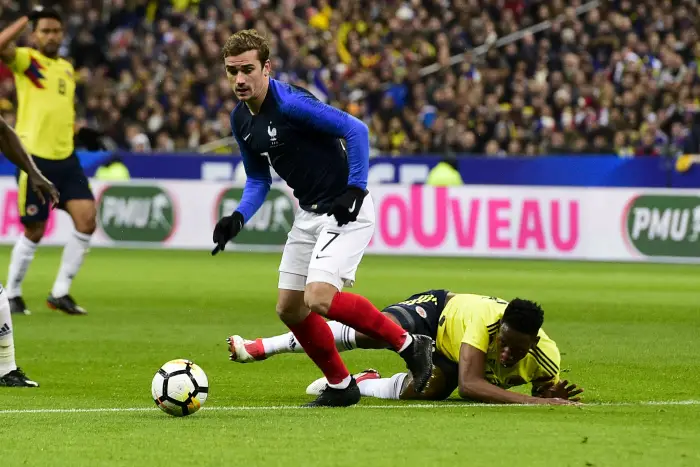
(484, 346)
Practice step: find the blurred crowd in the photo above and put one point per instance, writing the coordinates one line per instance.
(621, 78)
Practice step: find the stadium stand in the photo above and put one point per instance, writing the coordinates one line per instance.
(621, 78)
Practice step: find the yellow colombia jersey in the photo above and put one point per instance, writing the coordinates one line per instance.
(475, 320)
(46, 111)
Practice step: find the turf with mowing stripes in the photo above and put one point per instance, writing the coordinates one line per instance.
(628, 333)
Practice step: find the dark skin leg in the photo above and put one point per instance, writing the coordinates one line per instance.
(84, 213)
(436, 385)
(438, 388)
(35, 231)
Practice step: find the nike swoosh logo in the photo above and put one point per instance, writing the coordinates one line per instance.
(245, 138)
(322, 257)
(352, 208)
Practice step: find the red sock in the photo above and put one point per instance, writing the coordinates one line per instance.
(316, 338)
(359, 313)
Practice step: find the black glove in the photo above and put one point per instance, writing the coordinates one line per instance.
(226, 229)
(346, 207)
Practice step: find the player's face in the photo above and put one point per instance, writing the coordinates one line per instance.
(247, 75)
(48, 36)
(513, 346)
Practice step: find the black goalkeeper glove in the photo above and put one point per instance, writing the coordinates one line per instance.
(226, 229)
(346, 207)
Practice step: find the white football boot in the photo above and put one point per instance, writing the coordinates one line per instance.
(245, 351)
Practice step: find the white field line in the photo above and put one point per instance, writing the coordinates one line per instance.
(357, 407)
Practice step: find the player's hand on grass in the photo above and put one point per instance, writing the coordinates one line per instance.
(43, 188)
(561, 390)
(346, 207)
(226, 229)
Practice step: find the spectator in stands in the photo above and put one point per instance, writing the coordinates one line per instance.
(621, 78)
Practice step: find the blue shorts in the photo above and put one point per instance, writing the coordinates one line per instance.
(69, 178)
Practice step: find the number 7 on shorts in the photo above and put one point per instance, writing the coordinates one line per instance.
(334, 236)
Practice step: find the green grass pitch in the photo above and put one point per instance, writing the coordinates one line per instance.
(629, 334)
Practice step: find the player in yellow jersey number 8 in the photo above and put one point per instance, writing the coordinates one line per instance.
(45, 86)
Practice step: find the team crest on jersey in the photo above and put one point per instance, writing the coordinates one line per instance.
(421, 312)
(272, 132)
(33, 72)
(32, 209)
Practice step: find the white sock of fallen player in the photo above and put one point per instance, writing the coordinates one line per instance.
(343, 335)
(383, 388)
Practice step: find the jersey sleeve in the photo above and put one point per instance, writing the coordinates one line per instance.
(476, 333)
(258, 178)
(548, 360)
(309, 112)
(22, 60)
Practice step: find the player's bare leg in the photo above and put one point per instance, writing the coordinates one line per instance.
(20, 260)
(314, 335)
(83, 213)
(346, 338)
(359, 313)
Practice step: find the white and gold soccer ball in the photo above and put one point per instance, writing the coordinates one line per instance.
(180, 388)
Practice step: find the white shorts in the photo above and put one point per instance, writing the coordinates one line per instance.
(317, 250)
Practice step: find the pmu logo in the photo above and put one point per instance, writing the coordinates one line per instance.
(664, 225)
(136, 213)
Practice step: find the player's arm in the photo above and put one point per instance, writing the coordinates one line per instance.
(321, 117)
(473, 385)
(258, 181)
(472, 367)
(547, 377)
(257, 185)
(540, 386)
(11, 147)
(560, 389)
(8, 50)
(547, 382)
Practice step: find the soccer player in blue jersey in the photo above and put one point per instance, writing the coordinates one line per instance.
(12, 149)
(284, 126)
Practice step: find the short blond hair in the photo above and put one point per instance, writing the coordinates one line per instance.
(243, 41)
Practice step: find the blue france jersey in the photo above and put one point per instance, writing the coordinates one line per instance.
(300, 137)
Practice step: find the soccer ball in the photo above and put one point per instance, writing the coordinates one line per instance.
(180, 388)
